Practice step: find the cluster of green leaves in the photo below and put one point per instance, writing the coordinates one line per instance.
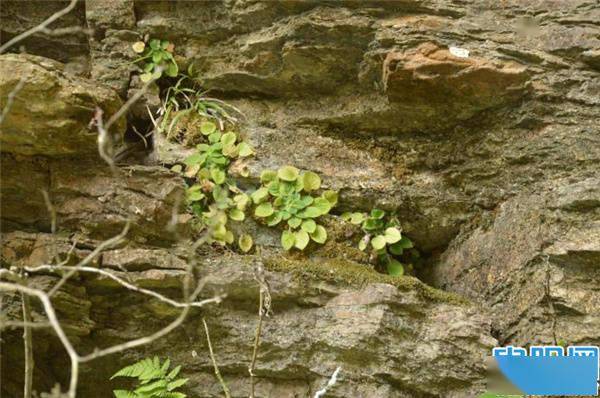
(213, 196)
(384, 236)
(156, 59)
(286, 195)
(154, 380)
(185, 98)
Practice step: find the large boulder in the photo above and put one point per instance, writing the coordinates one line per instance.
(535, 266)
(52, 110)
(391, 336)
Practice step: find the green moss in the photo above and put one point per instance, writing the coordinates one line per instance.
(343, 272)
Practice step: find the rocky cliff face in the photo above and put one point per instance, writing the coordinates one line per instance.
(490, 159)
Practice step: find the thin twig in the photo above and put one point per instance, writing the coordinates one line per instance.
(28, 346)
(10, 98)
(38, 28)
(256, 343)
(329, 384)
(214, 361)
(51, 210)
(264, 308)
(104, 245)
(148, 339)
(49, 309)
(122, 282)
(18, 325)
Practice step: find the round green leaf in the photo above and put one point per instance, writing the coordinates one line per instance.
(177, 168)
(322, 204)
(263, 210)
(241, 201)
(231, 151)
(245, 243)
(288, 173)
(228, 139)
(311, 181)
(331, 196)
(155, 44)
(214, 137)
(274, 219)
(378, 242)
(259, 195)
(245, 150)
(320, 234)
(287, 239)
(301, 239)
(267, 176)
(172, 70)
(236, 214)
(294, 222)
(218, 176)
(406, 243)
(395, 268)
(207, 127)
(357, 218)
(392, 235)
(377, 214)
(309, 226)
(310, 212)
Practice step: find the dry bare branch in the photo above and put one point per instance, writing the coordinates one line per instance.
(329, 384)
(214, 362)
(264, 308)
(51, 210)
(10, 98)
(39, 28)
(122, 282)
(104, 245)
(28, 346)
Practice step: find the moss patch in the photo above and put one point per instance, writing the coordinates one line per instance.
(343, 272)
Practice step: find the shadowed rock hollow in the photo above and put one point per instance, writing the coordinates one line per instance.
(490, 160)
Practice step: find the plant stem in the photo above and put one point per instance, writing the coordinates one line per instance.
(256, 342)
(28, 344)
(214, 361)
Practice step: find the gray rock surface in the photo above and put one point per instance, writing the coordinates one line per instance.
(392, 337)
(491, 162)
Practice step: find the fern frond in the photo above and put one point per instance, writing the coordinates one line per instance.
(124, 394)
(173, 395)
(176, 384)
(145, 370)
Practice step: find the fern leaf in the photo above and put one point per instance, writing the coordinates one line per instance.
(174, 373)
(124, 394)
(144, 370)
(165, 366)
(153, 388)
(173, 395)
(176, 384)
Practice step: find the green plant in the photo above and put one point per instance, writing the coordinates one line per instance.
(285, 196)
(185, 98)
(384, 236)
(157, 58)
(213, 197)
(154, 380)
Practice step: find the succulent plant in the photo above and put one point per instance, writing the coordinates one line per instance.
(157, 58)
(384, 235)
(213, 197)
(285, 197)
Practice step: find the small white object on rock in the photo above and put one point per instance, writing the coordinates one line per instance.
(459, 52)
